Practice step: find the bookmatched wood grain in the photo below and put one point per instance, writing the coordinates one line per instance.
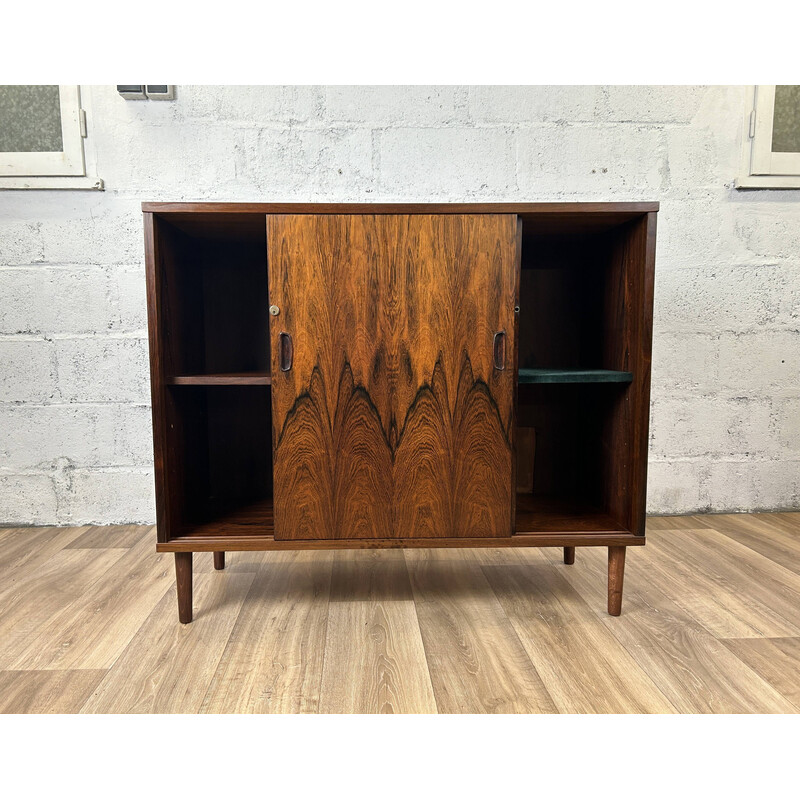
(393, 421)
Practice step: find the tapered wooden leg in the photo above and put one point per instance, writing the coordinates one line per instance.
(569, 555)
(616, 573)
(219, 560)
(183, 577)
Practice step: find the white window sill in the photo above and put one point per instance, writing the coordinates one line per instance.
(51, 183)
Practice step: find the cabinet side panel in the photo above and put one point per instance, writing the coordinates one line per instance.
(627, 346)
(157, 386)
(641, 442)
(159, 256)
(523, 442)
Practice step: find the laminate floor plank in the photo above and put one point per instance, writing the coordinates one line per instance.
(777, 661)
(374, 656)
(694, 670)
(92, 631)
(583, 666)
(728, 588)
(274, 657)
(167, 667)
(710, 624)
(679, 523)
(111, 536)
(788, 521)
(31, 600)
(476, 660)
(774, 536)
(61, 691)
(28, 548)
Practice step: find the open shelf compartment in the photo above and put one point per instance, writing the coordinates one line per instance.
(215, 301)
(214, 331)
(579, 323)
(223, 453)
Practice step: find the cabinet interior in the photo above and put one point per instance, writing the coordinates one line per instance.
(215, 330)
(579, 294)
(576, 335)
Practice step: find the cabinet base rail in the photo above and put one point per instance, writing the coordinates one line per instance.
(228, 544)
(616, 569)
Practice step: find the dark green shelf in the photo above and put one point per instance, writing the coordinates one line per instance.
(574, 376)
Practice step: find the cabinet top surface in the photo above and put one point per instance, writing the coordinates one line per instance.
(624, 209)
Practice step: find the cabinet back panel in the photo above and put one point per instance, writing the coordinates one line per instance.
(562, 302)
(565, 454)
(235, 307)
(216, 305)
(225, 440)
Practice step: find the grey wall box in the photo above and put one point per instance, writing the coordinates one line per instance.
(160, 91)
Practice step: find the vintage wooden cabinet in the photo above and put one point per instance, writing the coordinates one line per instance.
(339, 376)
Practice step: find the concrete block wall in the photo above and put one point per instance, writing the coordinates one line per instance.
(74, 397)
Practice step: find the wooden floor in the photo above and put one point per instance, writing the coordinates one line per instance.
(710, 623)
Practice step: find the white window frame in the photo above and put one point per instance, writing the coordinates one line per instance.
(65, 169)
(761, 168)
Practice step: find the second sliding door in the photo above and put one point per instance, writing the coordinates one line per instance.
(392, 374)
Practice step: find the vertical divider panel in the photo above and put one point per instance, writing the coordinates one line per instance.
(515, 366)
(627, 346)
(167, 461)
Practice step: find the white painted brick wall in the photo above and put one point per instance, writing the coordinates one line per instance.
(74, 400)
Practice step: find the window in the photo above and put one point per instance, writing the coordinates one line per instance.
(42, 129)
(771, 156)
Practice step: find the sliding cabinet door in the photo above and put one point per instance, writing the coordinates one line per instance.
(392, 374)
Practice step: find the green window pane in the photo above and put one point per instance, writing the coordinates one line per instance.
(786, 121)
(30, 119)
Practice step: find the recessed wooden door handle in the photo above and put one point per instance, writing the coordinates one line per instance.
(285, 351)
(500, 350)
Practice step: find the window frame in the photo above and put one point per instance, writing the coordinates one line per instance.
(64, 169)
(761, 168)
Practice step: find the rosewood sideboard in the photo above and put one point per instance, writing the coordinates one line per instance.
(351, 376)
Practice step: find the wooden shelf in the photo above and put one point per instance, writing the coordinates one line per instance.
(574, 376)
(222, 379)
(254, 518)
(560, 515)
(535, 515)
